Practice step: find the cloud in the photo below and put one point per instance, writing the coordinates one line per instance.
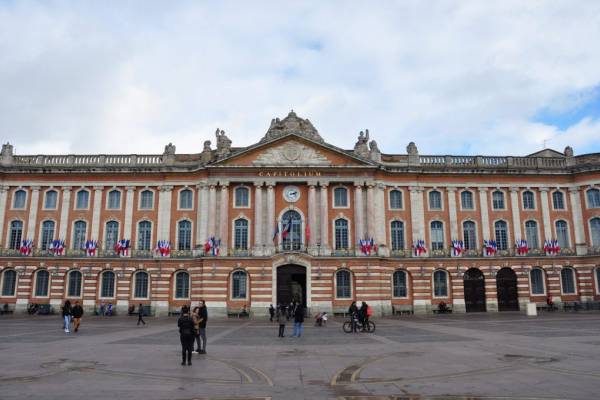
(456, 78)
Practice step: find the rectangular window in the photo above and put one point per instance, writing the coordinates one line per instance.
(498, 200)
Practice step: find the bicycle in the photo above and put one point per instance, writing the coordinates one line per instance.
(369, 327)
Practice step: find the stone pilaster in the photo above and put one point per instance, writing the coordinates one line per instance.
(95, 232)
(270, 228)
(380, 224)
(224, 219)
(577, 214)
(325, 249)
(546, 214)
(64, 214)
(417, 215)
(127, 225)
(485, 217)
(33, 210)
(258, 218)
(516, 215)
(454, 235)
(358, 216)
(312, 217)
(202, 217)
(3, 196)
(163, 227)
(212, 207)
(371, 228)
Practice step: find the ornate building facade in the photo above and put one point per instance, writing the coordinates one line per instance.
(293, 217)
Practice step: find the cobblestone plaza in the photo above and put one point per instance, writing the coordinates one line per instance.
(458, 356)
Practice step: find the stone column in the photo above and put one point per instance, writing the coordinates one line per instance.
(258, 216)
(577, 213)
(485, 218)
(3, 196)
(199, 204)
(127, 225)
(371, 228)
(202, 217)
(325, 250)
(454, 235)
(270, 228)
(212, 207)
(163, 227)
(96, 213)
(417, 215)
(312, 217)
(380, 223)
(33, 210)
(64, 214)
(358, 215)
(516, 215)
(224, 219)
(546, 214)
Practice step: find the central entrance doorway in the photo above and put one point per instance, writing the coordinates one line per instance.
(291, 284)
(506, 285)
(474, 284)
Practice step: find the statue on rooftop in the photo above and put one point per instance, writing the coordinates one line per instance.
(374, 153)
(223, 143)
(361, 147)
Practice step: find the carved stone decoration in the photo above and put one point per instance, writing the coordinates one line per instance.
(223, 143)
(374, 153)
(291, 153)
(292, 124)
(412, 150)
(169, 149)
(6, 156)
(569, 151)
(206, 154)
(361, 147)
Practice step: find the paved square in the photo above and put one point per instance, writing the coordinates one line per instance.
(474, 356)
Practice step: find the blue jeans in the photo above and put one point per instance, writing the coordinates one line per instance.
(67, 323)
(297, 329)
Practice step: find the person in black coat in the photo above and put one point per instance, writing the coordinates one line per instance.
(67, 314)
(141, 315)
(202, 331)
(353, 311)
(298, 320)
(186, 335)
(77, 312)
(271, 312)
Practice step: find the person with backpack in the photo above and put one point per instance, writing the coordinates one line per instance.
(77, 314)
(67, 313)
(186, 335)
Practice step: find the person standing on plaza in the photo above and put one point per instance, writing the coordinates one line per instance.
(362, 314)
(353, 311)
(271, 312)
(202, 327)
(141, 314)
(196, 319)
(67, 313)
(298, 320)
(186, 335)
(77, 312)
(281, 319)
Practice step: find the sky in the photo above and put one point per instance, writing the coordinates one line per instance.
(464, 77)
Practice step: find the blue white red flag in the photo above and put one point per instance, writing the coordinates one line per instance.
(419, 248)
(57, 247)
(490, 247)
(26, 247)
(458, 247)
(163, 247)
(90, 247)
(522, 247)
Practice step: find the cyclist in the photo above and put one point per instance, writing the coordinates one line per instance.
(353, 311)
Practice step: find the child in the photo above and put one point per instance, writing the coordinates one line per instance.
(281, 318)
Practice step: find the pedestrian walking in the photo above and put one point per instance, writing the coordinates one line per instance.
(196, 319)
(141, 314)
(202, 327)
(271, 312)
(67, 313)
(186, 335)
(281, 317)
(298, 320)
(77, 312)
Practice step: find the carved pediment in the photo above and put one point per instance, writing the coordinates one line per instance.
(291, 153)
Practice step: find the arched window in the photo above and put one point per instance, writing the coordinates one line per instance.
(469, 235)
(82, 200)
(185, 199)
(435, 200)
(47, 234)
(558, 200)
(395, 200)
(182, 285)
(501, 231)
(291, 230)
(528, 200)
(111, 235)
(400, 284)
(498, 200)
(184, 235)
(567, 280)
(9, 283)
(240, 236)
(146, 200)
(466, 200)
(74, 284)
(42, 278)
(50, 201)
(562, 234)
(19, 199)
(79, 234)
(593, 197)
(397, 235)
(595, 229)
(107, 288)
(242, 197)
(343, 284)
(437, 235)
(114, 200)
(341, 234)
(531, 234)
(144, 235)
(440, 284)
(239, 283)
(140, 290)
(16, 234)
(537, 281)
(340, 197)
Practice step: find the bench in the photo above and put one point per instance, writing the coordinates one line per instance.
(340, 312)
(175, 312)
(591, 305)
(546, 307)
(45, 309)
(237, 312)
(5, 309)
(447, 310)
(402, 310)
(572, 305)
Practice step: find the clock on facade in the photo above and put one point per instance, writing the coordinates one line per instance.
(291, 194)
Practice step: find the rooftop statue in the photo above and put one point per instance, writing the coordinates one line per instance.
(374, 153)
(292, 124)
(223, 143)
(361, 147)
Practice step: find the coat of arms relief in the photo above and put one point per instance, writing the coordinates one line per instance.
(291, 153)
